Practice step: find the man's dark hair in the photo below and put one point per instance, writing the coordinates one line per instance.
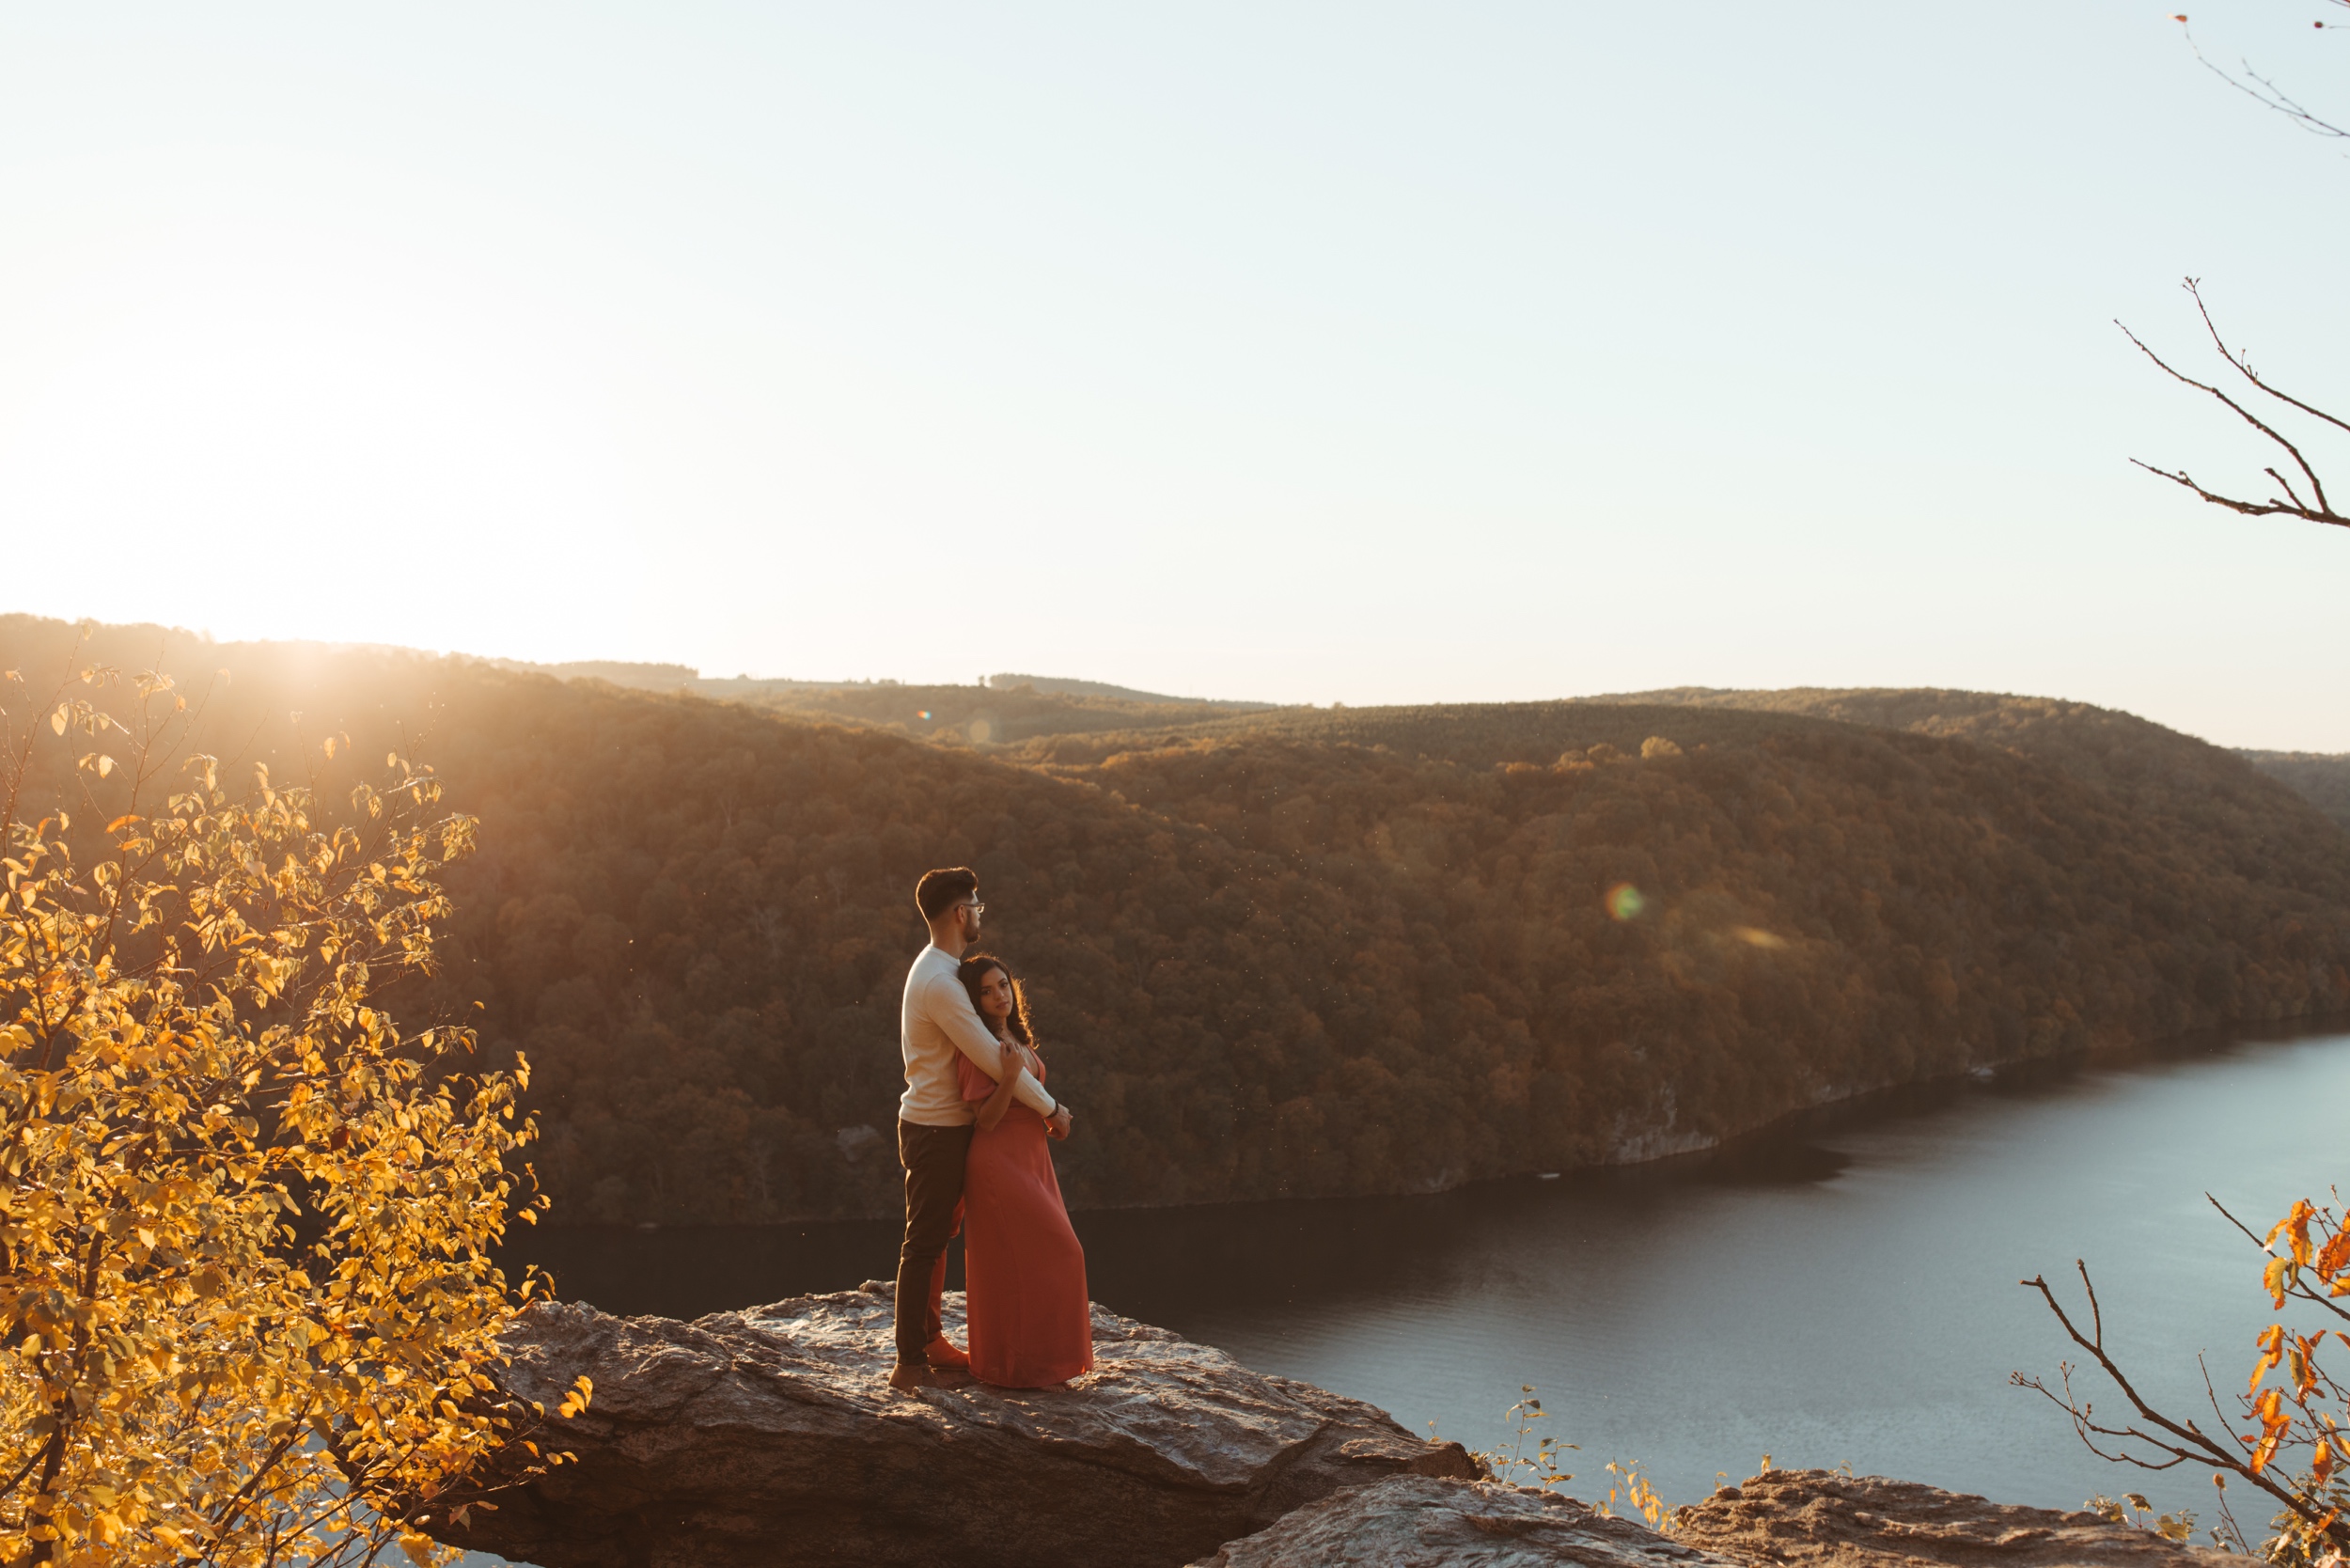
(937, 890)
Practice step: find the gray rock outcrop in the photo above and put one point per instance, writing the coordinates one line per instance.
(769, 1437)
(1780, 1520)
(1423, 1522)
(1821, 1519)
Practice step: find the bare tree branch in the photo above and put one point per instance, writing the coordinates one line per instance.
(2242, 362)
(2244, 414)
(2179, 1441)
(2318, 508)
(2259, 88)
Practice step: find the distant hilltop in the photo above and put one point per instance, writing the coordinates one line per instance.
(2323, 778)
(648, 677)
(1057, 686)
(671, 677)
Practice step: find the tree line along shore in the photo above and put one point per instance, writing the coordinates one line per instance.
(1281, 951)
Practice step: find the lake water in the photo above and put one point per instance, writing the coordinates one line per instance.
(1845, 1294)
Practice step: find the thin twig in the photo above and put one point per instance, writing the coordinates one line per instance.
(2242, 362)
(2184, 1442)
(2323, 513)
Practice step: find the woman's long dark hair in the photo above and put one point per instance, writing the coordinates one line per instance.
(974, 970)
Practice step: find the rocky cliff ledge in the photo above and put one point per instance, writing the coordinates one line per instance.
(1422, 1522)
(1809, 1519)
(1821, 1519)
(770, 1438)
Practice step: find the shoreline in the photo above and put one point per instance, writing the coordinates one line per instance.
(1791, 1128)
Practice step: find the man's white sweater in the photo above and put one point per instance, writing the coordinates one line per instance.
(937, 1020)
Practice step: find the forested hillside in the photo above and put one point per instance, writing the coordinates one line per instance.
(2321, 777)
(1298, 951)
(985, 714)
(1006, 708)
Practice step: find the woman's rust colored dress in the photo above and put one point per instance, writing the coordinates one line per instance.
(1031, 1323)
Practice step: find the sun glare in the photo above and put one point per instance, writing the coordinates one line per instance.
(236, 381)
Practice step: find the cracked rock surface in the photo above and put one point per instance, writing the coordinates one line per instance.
(769, 1437)
(1821, 1519)
(1424, 1522)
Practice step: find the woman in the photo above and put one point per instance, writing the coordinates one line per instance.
(1032, 1325)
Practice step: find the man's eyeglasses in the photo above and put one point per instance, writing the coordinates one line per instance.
(974, 906)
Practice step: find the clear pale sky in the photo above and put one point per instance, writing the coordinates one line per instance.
(1368, 353)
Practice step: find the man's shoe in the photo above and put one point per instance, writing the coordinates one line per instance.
(941, 1353)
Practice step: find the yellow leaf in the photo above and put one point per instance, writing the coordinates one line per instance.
(2272, 1343)
(2274, 1277)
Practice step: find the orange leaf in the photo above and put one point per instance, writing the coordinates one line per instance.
(2274, 1277)
(2304, 1358)
(2272, 1343)
(2276, 1422)
(2336, 1257)
(2296, 1225)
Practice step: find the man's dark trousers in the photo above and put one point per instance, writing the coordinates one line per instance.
(933, 1158)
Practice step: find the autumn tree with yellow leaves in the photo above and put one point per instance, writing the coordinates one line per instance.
(249, 1308)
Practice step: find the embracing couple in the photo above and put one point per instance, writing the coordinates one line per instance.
(971, 1135)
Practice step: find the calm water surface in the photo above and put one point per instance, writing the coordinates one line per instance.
(1847, 1296)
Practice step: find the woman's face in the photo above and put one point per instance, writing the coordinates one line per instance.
(996, 996)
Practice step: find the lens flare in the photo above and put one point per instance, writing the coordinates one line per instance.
(924, 715)
(1625, 902)
(1755, 936)
(980, 731)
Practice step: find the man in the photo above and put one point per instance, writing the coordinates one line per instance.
(935, 1123)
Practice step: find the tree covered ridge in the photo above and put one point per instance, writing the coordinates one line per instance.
(1303, 951)
(2323, 778)
(992, 715)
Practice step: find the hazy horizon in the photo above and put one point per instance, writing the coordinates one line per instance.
(1379, 355)
(981, 679)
